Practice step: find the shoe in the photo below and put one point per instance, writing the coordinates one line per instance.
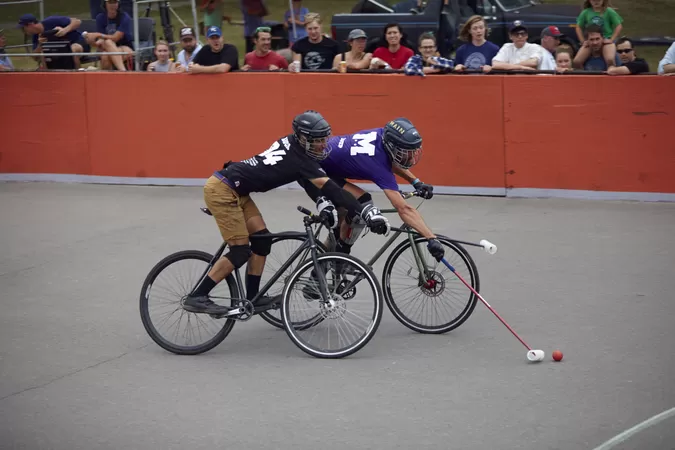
(204, 305)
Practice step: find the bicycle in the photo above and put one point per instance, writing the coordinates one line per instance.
(427, 273)
(330, 307)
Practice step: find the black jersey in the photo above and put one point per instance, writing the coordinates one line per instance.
(283, 163)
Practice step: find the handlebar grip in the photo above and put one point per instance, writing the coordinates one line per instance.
(304, 211)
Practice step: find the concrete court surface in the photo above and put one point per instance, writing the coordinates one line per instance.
(594, 279)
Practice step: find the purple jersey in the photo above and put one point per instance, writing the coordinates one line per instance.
(360, 156)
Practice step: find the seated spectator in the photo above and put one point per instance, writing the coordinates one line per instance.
(550, 41)
(667, 64)
(563, 59)
(393, 55)
(190, 45)
(315, 51)
(478, 52)
(519, 55)
(163, 63)
(426, 62)
(59, 27)
(599, 12)
(216, 56)
(630, 63)
(114, 34)
(5, 63)
(263, 58)
(356, 58)
(595, 60)
(299, 14)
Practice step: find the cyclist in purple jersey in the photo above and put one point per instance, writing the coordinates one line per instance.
(377, 155)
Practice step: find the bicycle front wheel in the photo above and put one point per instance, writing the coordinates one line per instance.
(435, 304)
(168, 324)
(345, 321)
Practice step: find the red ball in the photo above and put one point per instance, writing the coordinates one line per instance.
(557, 355)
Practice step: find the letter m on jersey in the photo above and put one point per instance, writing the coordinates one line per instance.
(363, 143)
(273, 155)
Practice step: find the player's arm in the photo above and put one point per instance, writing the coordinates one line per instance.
(408, 214)
(425, 190)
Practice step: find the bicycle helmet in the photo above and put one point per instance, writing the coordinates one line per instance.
(312, 132)
(403, 142)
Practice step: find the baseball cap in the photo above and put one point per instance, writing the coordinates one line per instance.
(187, 31)
(213, 31)
(517, 25)
(551, 30)
(356, 34)
(27, 19)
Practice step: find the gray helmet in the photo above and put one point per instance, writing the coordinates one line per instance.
(312, 132)
(403, 142)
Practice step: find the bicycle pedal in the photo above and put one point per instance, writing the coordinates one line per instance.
(233, 312)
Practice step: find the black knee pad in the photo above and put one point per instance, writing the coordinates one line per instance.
(366, 198)
(238, 255)
(261, 246)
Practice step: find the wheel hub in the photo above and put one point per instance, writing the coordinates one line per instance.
(335, 308)
(434, 285)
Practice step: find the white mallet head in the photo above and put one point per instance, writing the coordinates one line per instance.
(488, 246)
(535, 355)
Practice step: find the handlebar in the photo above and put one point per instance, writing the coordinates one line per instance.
(310, 217)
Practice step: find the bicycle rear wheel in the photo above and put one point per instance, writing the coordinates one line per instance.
(433, 305)
(282, 249)
(346, 321)
(163, 290)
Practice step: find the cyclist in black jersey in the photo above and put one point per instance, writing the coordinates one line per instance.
(293, 157)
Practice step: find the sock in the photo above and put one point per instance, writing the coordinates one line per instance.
(343, 247)
(252, 286)
(205, 287)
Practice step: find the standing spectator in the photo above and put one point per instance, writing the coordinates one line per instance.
(478, 52)
(263, 58)
(426, 62)
(356, 58)
(598, 12)
(595, 61)
(216, 56)
(667, 64)
(253, 11)
(114, 34)
(563, 59)
(550, 40)
(163, 63)
(5, 62)
(394, 54)
(299, 13)
(62, 26)
(190, 46)
(630, 63)
(520, 54)
(315, 51)
(213, 13)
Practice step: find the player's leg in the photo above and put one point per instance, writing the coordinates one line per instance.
(350, 232)
(260, 247)
(229, 215)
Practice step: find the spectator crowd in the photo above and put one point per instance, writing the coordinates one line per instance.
(599, 29)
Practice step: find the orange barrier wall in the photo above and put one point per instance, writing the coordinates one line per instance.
(581, 132)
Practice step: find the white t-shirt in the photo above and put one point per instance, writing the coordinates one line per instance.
(181, 56)
(547, 61)
(509, 54)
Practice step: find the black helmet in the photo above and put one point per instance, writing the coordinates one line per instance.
(403, 142)
(312, 132)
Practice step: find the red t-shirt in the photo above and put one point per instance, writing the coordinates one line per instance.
(396, 60)
(264, 62)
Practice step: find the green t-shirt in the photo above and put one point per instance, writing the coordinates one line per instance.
(608, 20)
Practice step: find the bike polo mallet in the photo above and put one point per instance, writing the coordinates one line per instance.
(532, 355)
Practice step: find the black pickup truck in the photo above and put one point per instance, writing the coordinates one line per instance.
(445, 21)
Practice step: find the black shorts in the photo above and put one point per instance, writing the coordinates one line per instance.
(86, 48)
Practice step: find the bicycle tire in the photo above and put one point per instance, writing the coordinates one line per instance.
(273, 317)
(472, 278)
(146, 292)
(343, 259)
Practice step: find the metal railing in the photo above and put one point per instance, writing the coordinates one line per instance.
(19, 2)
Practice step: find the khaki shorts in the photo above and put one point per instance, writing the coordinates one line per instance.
(229, 209)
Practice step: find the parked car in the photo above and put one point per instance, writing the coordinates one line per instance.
(445, 21)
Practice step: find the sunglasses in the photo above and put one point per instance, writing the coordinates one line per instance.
(263, 29)
(520, 34)
(628, 50)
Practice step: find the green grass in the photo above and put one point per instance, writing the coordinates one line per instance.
(642, 18)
